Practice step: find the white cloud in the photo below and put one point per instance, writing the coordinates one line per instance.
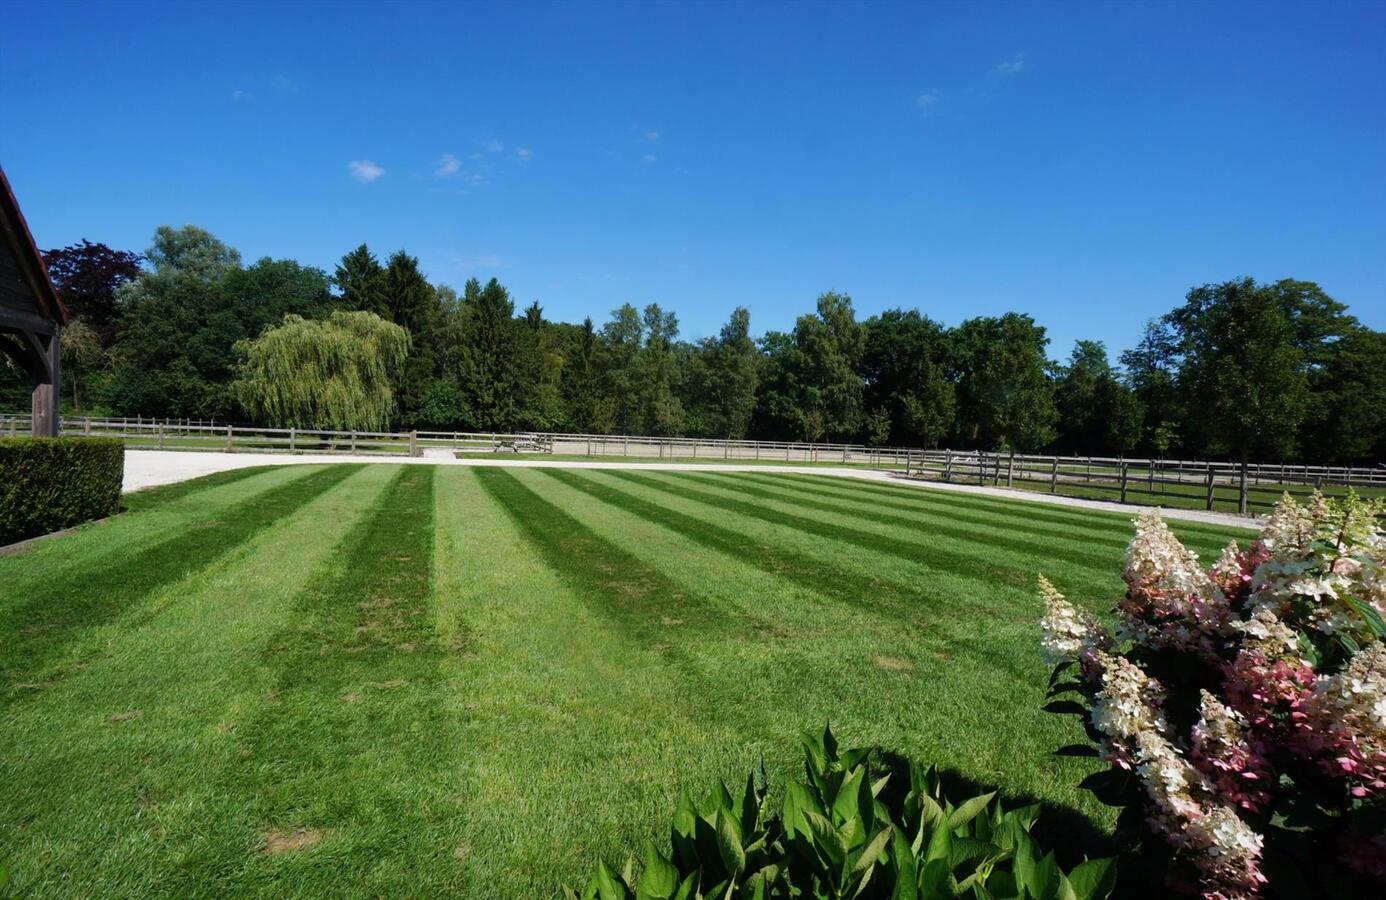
(280, 83)
(476, 180)
(649, 158)
(364, 170)
(447, 165)
(523, 154)
(242, 97)
(925, 101)
(652, 136)
(492, 146)
(1012, 66)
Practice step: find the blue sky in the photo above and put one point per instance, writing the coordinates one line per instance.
(1083, 163)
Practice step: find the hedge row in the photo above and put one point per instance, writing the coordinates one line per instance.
(47, 484)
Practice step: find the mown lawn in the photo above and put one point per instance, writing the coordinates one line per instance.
(391, 680)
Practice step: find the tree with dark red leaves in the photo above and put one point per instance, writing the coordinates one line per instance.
(86, 276)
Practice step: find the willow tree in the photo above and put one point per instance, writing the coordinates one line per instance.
(334, 373)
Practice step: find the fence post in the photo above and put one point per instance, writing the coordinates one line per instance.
(86, 425)
(948, 465)
(292, 441)
(228, 438)
(1241, 490)
(1209, 467)
(981, 467)
(1125, 469)
(1010, 468)
(413, 443)
(353, 440)
(1054, 477)
(161, 437)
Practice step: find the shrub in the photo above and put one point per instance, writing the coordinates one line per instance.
(1242, 710)
(841, 834)
(52, 483)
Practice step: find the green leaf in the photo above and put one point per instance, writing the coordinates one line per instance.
(848, 796)
(1063, 890)
(1094, 879)
(902, 868)
(659, 880)
(688, 888)
(1370, 615)
(968, 809)
(609, 885)
(871, 853)
(684, 832)
(826, 840)
(729, 844)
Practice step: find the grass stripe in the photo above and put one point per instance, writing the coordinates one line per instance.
(42, 627)
(981, 570)
(1214, 536)
(989, 533)
(164, 494)
(100, 808)
(577, 737)
(355, 738)
(634, 596)
(107, 542)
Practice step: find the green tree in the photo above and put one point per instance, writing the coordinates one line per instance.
(180, 320)
(1098, 413)
(1150, 369)
(490, 357)
(83, 358)
(358, 279)
(905, 365)
(1347, 417)
(590, 408)
(404, 296)
(1243, 353)
(729, 378)
(335, 373)
(1005, 396)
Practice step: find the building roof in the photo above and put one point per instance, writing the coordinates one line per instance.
(28, 260)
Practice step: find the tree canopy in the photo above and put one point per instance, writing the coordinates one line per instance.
(1237, 369)
(336, 373)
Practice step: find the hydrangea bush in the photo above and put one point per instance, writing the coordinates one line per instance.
(1242, 708)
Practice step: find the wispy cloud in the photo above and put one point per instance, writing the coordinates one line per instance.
(286, 85)
(926, 101)
(1013, 65)
(493, 146)
(524, 154)
(242, 97)
(475, 180)
(652, 136)
(364, 170)
(446, 166)
(649, 158)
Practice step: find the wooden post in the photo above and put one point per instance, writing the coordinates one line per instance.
(1054, 476)
(1209, 502)
(86, 425)
(228, 438)
(1010, 468)
(981, 467)
(1125, 469)
(948, 465)
(161, 436)
(292, 436)
(414, 444)
(1241, 490)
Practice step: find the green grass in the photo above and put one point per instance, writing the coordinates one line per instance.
(684, 458)
(447, 680)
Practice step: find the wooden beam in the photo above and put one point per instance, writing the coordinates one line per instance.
(44, 407)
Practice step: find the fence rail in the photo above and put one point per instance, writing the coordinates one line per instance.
(1247, 488)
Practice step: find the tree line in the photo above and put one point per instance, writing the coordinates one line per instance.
(1239, 369)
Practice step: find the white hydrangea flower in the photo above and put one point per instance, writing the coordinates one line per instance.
(1124, 708)
(1156, 557)
(1066, 631)
(1359, 689)
(1289, 528)
(1264, 631)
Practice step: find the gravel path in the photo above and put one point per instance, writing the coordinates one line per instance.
(146, 468)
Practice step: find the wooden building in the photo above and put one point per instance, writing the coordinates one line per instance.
(31, 315)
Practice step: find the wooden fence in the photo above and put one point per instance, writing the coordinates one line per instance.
(1246, 488)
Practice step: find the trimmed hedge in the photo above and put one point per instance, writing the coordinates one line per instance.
(47, 484)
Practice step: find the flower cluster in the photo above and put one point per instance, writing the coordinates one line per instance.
(1241, 694)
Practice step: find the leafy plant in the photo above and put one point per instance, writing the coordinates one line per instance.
(840, 834)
